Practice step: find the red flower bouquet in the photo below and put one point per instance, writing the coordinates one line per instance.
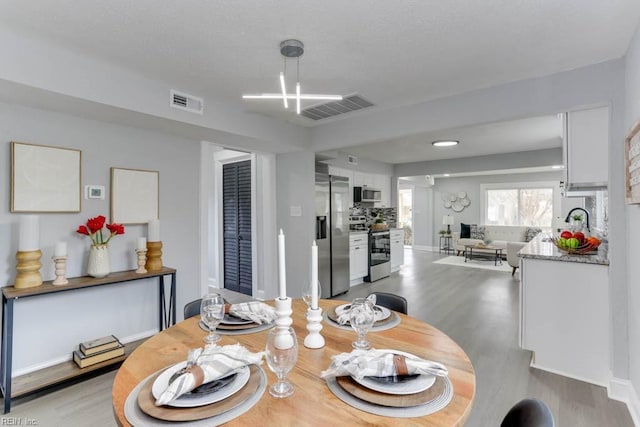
(93, 229)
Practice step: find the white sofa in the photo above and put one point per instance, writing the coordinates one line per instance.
(499, 235)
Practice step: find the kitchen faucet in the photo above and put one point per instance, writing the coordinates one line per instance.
(578, 209)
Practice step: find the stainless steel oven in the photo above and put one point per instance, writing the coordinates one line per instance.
(379, 255)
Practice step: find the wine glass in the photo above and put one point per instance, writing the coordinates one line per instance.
(361, 316)
(307, 294)
(281, 355)
(211, 313)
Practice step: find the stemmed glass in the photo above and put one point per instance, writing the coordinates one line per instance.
(307, 294)
(211, 313)
(361, 316)
(281, 355)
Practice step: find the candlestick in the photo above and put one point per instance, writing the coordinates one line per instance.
(29, 234)
(154, 256)
(154, 230)
(60, 249)
(314, 326)
(142, 243)
(28, 269)
(314, 275)
(61, 268)
(142, 259)
(282, 270)
(283, 321)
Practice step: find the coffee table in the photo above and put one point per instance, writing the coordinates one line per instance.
(489, 252)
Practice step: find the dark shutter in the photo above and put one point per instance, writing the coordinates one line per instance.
(236, 195)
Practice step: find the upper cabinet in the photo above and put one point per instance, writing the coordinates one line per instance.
(586, 148)
(361, 179)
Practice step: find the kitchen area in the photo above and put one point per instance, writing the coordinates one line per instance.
(356, 229)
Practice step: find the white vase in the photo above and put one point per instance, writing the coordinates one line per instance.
(98, 261)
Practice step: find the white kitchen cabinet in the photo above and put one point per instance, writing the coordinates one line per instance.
(586, 148)
(377, 181)
(564, 318)
(397, 248)
(358, 255)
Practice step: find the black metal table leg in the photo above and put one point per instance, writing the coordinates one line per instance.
(173, 299)
(161, 308)
(7, 350)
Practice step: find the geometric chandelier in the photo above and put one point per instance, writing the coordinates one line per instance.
(291, 49)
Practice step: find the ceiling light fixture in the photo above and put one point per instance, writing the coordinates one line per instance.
(292, 49)
(445, 143)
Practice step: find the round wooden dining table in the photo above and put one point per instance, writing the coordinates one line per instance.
(313, 403)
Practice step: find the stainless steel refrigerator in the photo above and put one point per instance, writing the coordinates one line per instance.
(332, 233)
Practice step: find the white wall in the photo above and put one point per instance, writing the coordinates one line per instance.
(295, 187)
(422, 221)
(49, 327)
(632, 90)
(364, 165)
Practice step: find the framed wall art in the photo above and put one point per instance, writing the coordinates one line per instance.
(45, 178)
(134, 195)
(632, 164)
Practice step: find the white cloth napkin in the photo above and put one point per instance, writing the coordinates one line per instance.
(344, 317)
(215, 362)
(256, 311)
(378, 363)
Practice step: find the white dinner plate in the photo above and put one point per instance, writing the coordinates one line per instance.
(416, 385)
(232, 320)
(161, 383)
(381, 312)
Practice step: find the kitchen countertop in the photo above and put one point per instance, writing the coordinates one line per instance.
(358, 232)
(541, 248)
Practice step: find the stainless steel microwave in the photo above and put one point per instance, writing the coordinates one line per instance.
(366, 194)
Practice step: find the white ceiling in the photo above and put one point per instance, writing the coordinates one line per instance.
(393, 53)
(535, 133)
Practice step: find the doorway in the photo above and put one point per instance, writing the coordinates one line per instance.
(405, 214)
(236, 224)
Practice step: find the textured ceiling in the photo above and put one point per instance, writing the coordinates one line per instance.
(393, 53)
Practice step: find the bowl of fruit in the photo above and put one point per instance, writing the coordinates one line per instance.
(576, 243)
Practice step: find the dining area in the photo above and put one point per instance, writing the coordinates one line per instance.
(382, 367)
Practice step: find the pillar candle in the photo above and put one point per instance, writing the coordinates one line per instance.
(142, 243)
(314, 276)
(60, 250)
(154, 230)
(29, 235)
(282, 271)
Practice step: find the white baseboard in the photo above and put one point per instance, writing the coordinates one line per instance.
(623, 391)
(68, 357)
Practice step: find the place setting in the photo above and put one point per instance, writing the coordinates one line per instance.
(382, 318)
(217, 316)
(214, 385)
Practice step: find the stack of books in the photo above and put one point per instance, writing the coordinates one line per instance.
(98, 350)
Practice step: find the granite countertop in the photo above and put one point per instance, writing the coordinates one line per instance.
(542, 248)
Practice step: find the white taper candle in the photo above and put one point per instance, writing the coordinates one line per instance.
(282, 270)
(142, 243)
(314, 276)
(29, 234)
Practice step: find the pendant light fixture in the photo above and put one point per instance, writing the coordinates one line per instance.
(292, 49)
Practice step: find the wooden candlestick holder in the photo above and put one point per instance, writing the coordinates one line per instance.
(28, 269)
(61, 268)
(154, 256)
(142, 259)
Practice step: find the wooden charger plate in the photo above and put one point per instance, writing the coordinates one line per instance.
(331, 314)
(349, 385)
(146, 401)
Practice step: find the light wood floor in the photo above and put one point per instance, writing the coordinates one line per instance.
(477, 308)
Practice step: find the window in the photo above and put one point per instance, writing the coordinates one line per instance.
(528, 204)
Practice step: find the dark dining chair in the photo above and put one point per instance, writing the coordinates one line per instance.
(529, 413)
(391, 301)
(192, 308)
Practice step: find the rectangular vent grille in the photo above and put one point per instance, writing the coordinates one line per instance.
(183, 101)
(335, 108)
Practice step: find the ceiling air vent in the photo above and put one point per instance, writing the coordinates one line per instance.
(183, 101)
(335, 108)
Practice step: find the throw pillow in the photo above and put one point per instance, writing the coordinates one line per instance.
(465, 231)
(477, 232)
(531, 233)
